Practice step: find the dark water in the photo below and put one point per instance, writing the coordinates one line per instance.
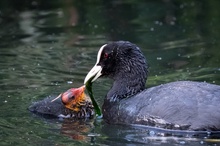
(47, 47)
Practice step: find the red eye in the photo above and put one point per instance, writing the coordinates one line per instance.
(106, 55)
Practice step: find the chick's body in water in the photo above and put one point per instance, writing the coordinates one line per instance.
(74, 103)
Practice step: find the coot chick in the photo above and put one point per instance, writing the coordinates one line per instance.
(182, 105)
(74, 103)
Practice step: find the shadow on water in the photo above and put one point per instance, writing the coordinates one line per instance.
(139, 134)
(94, 132)
(47, 47)
(98, 132)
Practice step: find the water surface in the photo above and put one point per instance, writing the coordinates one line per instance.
(48, 47)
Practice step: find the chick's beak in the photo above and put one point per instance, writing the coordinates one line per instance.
(80, 90)
(93, 74)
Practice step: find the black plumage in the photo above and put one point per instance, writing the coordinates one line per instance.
(184, 105)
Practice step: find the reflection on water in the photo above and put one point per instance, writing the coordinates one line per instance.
(77, 129)
(48, 47)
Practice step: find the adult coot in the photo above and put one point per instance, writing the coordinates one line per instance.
(74, 103)
(183, 105)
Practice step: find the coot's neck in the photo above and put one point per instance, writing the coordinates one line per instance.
(129, 79)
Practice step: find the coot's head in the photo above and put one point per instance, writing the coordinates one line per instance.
(74, 98)
(124, 63)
